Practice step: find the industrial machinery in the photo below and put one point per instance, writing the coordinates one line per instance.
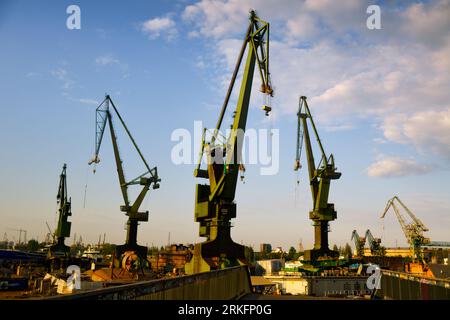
(437, 244)
(319, 178)
(64, 212)
(413, 231)
(146, 180)
(214, 202)
(360, 242)
(375, 244)
(20, 235)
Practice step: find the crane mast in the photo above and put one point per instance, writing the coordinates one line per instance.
(413, 231)
(214, 202)
(146, 180)
(320, 178)
(64, 212)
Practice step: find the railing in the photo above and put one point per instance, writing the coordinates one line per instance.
(405, 286)
(226, 284)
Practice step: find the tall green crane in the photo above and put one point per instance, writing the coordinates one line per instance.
(214, 202)
(64, 212)
(320, 177)
(146, 180)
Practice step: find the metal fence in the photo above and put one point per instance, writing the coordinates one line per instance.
(225, 284)
(404, 286)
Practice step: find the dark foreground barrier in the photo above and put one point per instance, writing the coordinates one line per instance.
(404, 286)
(226, 284)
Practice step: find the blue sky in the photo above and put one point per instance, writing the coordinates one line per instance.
(380, 97)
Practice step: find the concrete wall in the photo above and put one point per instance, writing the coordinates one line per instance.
(321, 286)
(290, 284)
(326, 286)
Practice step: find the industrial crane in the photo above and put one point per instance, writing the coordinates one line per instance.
(64, 212)
(375, 244)
(413, 231)
(319, 178)
(360, 242)
(214, 202)
(20, 235)
(146, 179)
(50, 236)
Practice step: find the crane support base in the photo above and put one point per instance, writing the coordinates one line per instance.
(141, 251)
(215, 254)
(316, 255)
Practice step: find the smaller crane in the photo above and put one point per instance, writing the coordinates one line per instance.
(320, 177)
(64, 212)
(20, 235)
(413, 231)
(375, 244)
(147, 179)
(360, 242)
(50, 237)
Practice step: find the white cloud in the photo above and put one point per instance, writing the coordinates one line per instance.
(62, 75)
(428, 23)
(157, 27)
(89, 101)
(106, 60)
(427, 130)
(110, 60)
(396, 167)
(32, 74)
(322, 49)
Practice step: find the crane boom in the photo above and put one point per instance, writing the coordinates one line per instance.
(413, 231)
(215, 206)
(148, 178)
(416, 220)
(359, 243)
(374, 243)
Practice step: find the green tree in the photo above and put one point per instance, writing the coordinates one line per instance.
(33, 245)
(108, 248)
(291, 253)
(348, 251)
(335, 248)
(249, 254)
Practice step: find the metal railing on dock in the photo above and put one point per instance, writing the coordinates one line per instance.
(226, 284)
(406, 286)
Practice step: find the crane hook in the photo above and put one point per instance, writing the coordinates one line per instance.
(242, 170)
